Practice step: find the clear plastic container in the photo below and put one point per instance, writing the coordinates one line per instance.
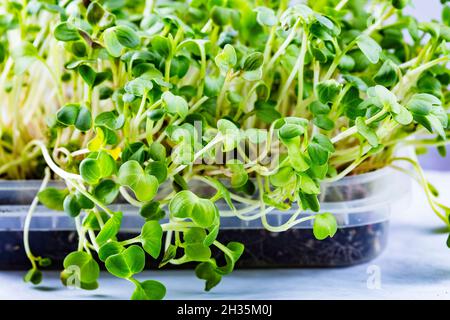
(361, 204)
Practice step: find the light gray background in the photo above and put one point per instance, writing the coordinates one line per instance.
(425, 10)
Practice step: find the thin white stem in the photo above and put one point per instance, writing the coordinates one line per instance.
(27, 223)
(284, 45)
(129, 198)
(351, 131)
(197, 155)
(60, 172)
(340, 5)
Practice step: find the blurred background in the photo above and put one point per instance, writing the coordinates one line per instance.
(425, 10)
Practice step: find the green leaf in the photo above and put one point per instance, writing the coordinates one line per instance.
(112, 44)
(448, 241)
(207, 271)
(318, 108)
(430, 84)
(325, 225)
(53, 198)
(446, 15)
(138, 86)
(290, 131)
(151, 237)
(156, 115)
(309, 201)
(157, 152)
(34, 276)
(179, 183)
(369, 47)
(253, 61)
(226, 59)
(75, 115)
(110, 119)
(94, 13)
(366, 132)
(355, 81)
(323, 122)
(179, 66)
(84, 119)
(422, 104)
(83, 201)
(110, 229)
(68, 114)
(162, 46)
(266, 16)
(143, 184)
(186, 204)
(197, 252)
(87, 73)
(223, 191)
(232, 255)
(2, 53)
(91, 77)
(106, 163)
(239, 175)
(307, 184)
(230, 132)
(275, 203)
(266, 112)
(319, 171)
(213, 232)
(66, 31)
(135, 151)
(44, 262)
(152, 211)
(106, 191)
(347, 63)
(126, 36)
(83, 266)
(220, 15)
(387, 75)
(170, 254)
(90, 171)
(109, 249)
(175, 105)
(149, 290)
(437, 126)
(319, 149)
(91, 221)
(254, 75)
(283, 177)
(399, 4)
(194, 235)
(126, 263)
(403, 117)
(71, 206)
(73, 277)
(328, 90)
(205, 213)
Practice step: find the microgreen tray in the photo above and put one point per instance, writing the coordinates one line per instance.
(361, 204)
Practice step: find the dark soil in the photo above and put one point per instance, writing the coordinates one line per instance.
(263, 249)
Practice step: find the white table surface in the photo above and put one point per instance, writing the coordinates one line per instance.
(416, 265)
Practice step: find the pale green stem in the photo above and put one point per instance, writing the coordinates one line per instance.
(26, 227)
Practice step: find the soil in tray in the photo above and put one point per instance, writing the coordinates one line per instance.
(263, 249)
